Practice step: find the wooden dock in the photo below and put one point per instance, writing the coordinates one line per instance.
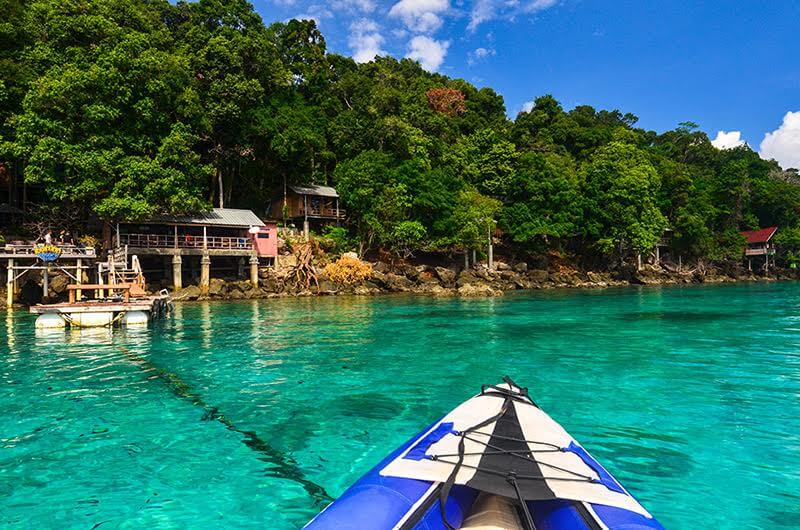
(21, 258)
(99, 313)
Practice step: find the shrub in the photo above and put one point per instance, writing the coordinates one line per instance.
(336, 239)
(89, 241)
(348, 270)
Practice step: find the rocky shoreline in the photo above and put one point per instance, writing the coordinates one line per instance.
(472, 282)
(435, 281)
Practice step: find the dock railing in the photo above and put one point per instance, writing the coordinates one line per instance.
(329, 212)
(186, 241)
(28, 249)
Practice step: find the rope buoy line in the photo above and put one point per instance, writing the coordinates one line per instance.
(280, 464)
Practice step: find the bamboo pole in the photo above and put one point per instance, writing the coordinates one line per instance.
(10, 284)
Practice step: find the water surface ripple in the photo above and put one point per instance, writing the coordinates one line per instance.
(254, 414)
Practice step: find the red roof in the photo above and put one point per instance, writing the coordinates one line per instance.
(760, 236)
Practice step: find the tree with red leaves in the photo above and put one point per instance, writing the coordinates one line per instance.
(449, 101)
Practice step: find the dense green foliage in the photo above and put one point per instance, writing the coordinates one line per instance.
(133, 107)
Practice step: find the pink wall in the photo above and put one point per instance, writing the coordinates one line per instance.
(267, 241)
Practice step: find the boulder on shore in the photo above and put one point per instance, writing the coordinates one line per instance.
(396, 282)
(446, 276)
(189, 293)
(470, 290)
(216, 287)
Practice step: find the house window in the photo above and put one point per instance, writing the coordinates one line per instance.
(263, 235)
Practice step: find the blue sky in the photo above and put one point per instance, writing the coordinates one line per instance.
(730, 66)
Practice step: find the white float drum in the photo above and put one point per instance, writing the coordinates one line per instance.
(50, 321)
(91, 320)
(135, 318)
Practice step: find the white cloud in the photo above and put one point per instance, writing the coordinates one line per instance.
(316, 13)
(366, 6)
(528, 106)
(365, 40)
(479, 55)
(420, 16)
(482, 11)
(728, 140)
(429, 52)
(783, 144)
(486, 10)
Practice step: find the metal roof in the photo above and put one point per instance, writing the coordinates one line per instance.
(313, 189)
(217, 217)
(760, 236)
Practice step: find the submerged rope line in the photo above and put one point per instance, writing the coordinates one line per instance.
(283, 465)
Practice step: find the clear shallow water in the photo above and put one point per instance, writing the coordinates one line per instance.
(250, 417)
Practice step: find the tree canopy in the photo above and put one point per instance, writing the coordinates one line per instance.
(129, 108)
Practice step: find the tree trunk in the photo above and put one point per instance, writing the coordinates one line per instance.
(221, 189)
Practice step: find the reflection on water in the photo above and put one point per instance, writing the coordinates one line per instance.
(249, 414)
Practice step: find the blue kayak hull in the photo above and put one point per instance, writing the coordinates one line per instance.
(376, 502)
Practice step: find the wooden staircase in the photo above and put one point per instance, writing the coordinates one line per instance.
(119, 273)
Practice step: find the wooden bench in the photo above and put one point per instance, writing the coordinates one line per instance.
(125, 288)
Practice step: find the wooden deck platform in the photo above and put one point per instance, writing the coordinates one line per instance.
(94, 307)
(99, 313)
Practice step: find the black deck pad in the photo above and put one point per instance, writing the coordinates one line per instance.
(494, 469)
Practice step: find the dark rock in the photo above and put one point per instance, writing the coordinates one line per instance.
(380, 267)
(467, 277)
(446, 276)
(58, 284)
(216, 287)
(538, 276)
(408, 271)
(396, 282)
(469, 290)
(327, 287)
(428, 277)
(191, 292)
(379, 278)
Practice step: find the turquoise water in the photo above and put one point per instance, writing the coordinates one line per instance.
(249, 415)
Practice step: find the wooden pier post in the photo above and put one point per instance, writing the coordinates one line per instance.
(254, 270)
(10, 284)
(78, 278)
(177, 273)
(205, 273)
(100, 292)
(46, 281)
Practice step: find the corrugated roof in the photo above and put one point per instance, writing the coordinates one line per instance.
(759, 236)
(313, 189)
(217, 217)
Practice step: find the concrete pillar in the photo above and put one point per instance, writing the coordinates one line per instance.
(78, 278)
(254, 270)
(205, 273)
(177, 273)
(306, 229)
(100, 292)
(10, 284)
(491, 251)
(639, 261)
(46, 281)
